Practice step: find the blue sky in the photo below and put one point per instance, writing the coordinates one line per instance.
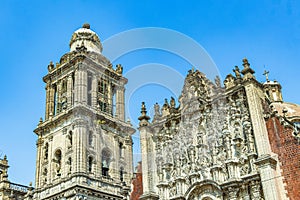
(35, 32)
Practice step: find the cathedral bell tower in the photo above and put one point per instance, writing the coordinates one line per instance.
(84, 146)
(272, 89)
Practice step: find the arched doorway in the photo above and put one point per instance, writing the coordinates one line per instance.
(207, 190)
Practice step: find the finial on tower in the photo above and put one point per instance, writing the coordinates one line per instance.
(247, 71)
(144, 119)
(86, 25)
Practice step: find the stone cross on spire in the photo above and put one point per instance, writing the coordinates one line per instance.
(266, 74)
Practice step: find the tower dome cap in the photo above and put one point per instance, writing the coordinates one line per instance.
(84, 36)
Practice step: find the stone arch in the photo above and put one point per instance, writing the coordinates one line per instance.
(106, 158)
(204, 190)
(57, 161)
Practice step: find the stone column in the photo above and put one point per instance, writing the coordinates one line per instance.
(120, 98)
(109, 98)
(266, 164)
(70, 91)
(79, 146)
(258, 122)
(114, 166)
(128, 154)
(50, 157)
(148, 160)
(94, 92)
(58, 93)
(84, 85)
(48, 91)
(51, 100)
(39, 159)
(80, 86)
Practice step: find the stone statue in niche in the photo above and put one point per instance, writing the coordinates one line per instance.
(63, 103)
(69, 139)
(186, 168)
(57, 168)
(227, 141)
(176, 161)
(249, 135)
(255, 190)
(172, 191)
(215, 152)
(200, 138)
(192, 159)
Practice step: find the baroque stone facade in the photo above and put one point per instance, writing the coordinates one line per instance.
(215, 144)
(237, 142)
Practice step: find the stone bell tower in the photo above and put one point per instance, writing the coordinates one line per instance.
(84, 146)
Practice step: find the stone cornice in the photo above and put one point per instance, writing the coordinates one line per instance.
(266, 160)
(89, 58)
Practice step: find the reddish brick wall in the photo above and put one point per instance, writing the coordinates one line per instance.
(137, 183)
(286, 146)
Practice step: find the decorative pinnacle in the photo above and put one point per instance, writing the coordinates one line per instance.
(247, 71)
(86, 25)
(144, 113)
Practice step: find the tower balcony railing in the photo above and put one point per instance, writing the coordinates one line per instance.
(18, 187)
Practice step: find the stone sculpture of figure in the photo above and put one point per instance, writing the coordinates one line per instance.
(237, 72)
(166, 104)
(119, 69)
(177, 163)
(104, 164)
(172, 102)
(244, 169)
(200, 137)
(192, 158)
(218, 81)
(58, 168)
(165, 108)
(228, 145)
(215, 152)
(255, 190)
(69, 137)
(156, 109)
